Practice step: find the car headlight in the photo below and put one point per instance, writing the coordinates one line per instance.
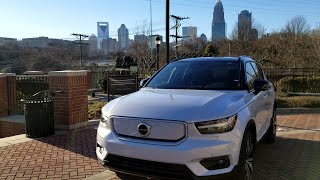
(104, 120)
(217, 126)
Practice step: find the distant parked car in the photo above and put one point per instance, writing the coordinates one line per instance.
(33, 73)
(194, 118)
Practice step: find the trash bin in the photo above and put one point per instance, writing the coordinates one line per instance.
(39, 115)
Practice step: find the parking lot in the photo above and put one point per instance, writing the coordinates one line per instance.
(295, 155)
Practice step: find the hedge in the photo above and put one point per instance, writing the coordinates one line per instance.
(299, 84)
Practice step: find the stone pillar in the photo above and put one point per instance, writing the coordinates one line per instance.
(70, 106)
(7, 94)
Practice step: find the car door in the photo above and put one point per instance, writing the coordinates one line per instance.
(257, 106)
(268, 96)
(266, 103)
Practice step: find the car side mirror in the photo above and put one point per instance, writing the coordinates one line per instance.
(143, 82)
(261, 85)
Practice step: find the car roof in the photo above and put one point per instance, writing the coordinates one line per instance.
(240, 58)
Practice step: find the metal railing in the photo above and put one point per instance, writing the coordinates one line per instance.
(275, 74)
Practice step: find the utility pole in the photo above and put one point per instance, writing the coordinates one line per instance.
(81, 38)
(177, 26)
(229, 48)
(151, 30)
(167, 31)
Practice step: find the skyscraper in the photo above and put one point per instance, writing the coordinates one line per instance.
(190, 34)
(93, 45)
(123, 37)
(244, 20)
(203, 38)
(245, 31)
(103, 35)
(218, 22)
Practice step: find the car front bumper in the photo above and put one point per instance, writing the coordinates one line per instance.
(183, 157)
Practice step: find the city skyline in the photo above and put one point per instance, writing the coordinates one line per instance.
(58, 19)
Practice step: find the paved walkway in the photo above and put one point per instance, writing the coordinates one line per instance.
(295, 155)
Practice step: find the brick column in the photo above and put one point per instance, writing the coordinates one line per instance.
(89, 76)
(71, 106)
(12, 93)
(3, 95)
(7, 94)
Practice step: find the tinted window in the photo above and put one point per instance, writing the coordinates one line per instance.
(215, 75)
(250, 75)
(257, 70)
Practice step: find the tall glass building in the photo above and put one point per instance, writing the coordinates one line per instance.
(103, 35)
(218, 22)
(123, 37)
(189, 33)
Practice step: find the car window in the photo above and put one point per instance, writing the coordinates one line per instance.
(222, 75)
(257, 70)
(250, 75)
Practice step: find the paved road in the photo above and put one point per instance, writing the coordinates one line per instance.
(295, 155)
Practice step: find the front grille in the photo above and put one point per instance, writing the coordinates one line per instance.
(137, 166)
(160, 130)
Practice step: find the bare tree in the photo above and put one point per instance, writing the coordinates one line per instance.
(243, 37)
(246, 31)
(140, 50)
(297, 26)
(316, 43)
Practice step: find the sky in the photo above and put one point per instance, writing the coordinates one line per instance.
(60, 18)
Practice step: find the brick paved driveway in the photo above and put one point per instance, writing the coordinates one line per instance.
(295, 155)
(67, 156)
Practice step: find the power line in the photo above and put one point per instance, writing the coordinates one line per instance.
(295, 4)
(177, 25)
(81, 43)
(234, 10)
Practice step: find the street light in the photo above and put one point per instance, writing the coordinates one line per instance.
(158, 42)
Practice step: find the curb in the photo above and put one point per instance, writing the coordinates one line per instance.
(284, 111)
(93, 122)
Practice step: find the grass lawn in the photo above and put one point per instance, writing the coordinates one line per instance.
(285, 101)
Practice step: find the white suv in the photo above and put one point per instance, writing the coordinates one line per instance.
(195, 118)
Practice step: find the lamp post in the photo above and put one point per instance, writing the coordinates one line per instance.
(158, 42)
(167, 31)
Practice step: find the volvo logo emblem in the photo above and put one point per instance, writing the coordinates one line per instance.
(143, 129)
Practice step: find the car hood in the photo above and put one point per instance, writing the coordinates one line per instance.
(180, 105)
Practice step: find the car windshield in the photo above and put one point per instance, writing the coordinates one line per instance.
(202, 75)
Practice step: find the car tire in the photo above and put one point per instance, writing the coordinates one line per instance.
(245, 166)
(124, 176)
(271, 134)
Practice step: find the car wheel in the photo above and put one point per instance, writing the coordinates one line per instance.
(245, 167)
(124, 176)
(271, 133)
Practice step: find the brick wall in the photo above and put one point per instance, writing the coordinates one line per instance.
(12, 94)
(71, 106)
(11, 129)
(7, 94)
(89, 81)
(3, 95)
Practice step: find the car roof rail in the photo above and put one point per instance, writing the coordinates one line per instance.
(244, 56)
(175, 60)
